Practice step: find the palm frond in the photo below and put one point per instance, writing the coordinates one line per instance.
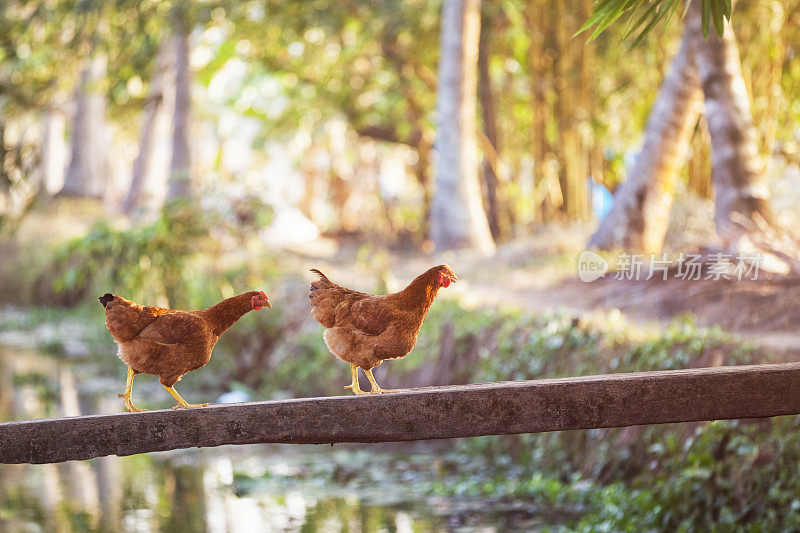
(643, 15)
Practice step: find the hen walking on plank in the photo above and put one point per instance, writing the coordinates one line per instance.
(364, 330)
(169, 343)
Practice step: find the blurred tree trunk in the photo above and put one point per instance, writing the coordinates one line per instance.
(741, 194)
(306, 203)
(340, 193)
(54, 151)
(640, 215)
(591, 164)
(542, 51)
(458, 219)
(422, 171)
(572, 158)
(144, 175)
(5, 180)
(489, 118)
(180, 181)
(88, 171)
(556, 154)
(537, 58)
(699, 178)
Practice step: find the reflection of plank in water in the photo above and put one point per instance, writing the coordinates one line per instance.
(81, 484)
(612, 400)
(109, 475)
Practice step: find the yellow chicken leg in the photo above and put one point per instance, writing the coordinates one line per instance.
(181, 402)
(126, 396)
(354, 384)
(376, 389)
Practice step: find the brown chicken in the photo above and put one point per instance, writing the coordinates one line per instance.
(364, 330)
(169, 343)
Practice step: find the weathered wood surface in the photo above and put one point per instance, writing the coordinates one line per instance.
(603, 401)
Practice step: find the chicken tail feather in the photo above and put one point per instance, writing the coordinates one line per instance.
(322, 282)
(320, 274)
(106, 299)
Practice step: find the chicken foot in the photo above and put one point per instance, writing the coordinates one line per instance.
(181, 402)
(126, 396)
(354, 384)
(376, 389)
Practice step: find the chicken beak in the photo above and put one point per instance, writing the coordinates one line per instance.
(446, 278)
(268, 304)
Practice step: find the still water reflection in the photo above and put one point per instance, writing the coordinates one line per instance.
(231, 489)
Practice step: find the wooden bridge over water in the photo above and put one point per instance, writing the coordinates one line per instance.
(604, 401)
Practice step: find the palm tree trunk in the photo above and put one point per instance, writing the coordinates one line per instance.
(489, 119)
(737, 173)
(457, 218)
(640, 215)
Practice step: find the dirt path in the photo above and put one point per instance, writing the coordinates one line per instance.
(764, 313)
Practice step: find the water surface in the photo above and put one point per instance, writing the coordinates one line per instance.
(360, 488)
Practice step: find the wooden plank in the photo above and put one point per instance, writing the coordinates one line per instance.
(612, 400)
